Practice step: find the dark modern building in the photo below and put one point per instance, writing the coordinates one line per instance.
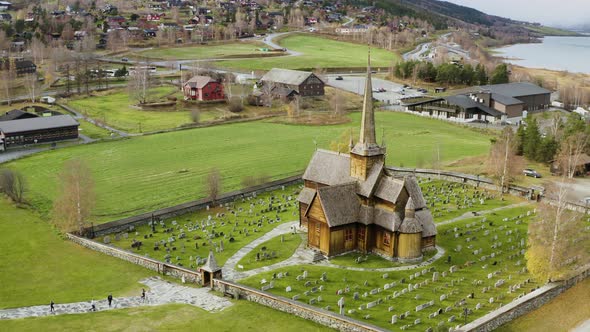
(17, 115)
(15, 133)
(487, 103)
(286, 82)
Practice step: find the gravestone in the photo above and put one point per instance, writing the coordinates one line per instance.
(288, 289)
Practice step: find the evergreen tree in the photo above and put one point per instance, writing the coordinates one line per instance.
(532, 140)
(520, 138)
(500, 74)
(481, 76)
(547, 149)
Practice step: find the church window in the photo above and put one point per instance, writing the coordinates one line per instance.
(348, 235)
(386, 239)
(361, 235)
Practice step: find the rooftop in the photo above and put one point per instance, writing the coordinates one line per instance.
(286, 76)
(17, 126)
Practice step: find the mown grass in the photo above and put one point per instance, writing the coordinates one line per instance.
(93, 131)
(318, 52)
(205, 51)
(150, 172)
(508, 268)
(38, 266)
(242, 316)
(283, 250)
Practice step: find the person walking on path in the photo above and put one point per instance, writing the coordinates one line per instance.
(143, 294)
(92, 305)
(52, 306)
(110, 299)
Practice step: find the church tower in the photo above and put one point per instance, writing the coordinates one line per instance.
(366, 152)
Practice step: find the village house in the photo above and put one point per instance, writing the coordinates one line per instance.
(351, 202)
(203, 88)
(287, 82)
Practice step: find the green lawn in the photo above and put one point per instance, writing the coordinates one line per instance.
(116, 109)
(38, 266)
(318, 52)
(471, 276)
(205, 51)
(283, 251)
(242, 316)
(93, 131)
(150, 172)
(372, 261)
(202, 234)
(563, 313)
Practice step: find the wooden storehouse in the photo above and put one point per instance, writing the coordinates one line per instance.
(284, 82)
(351, 202)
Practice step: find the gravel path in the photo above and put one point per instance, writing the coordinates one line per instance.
(160, 292)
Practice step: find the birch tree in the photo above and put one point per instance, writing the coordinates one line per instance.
(503, 163)
(73, 207)
(570, 153)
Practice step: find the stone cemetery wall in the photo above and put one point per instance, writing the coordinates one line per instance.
(152, 264)
(323, 317)
(123, 224)
(523, 305)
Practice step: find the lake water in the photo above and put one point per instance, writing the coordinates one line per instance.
(557, 53)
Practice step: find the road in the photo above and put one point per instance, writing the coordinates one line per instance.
(443, 41)
(356, 84)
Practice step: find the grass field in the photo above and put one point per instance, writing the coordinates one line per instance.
(115, 109)
(318, 52)
(145, 173)
(242, 316)
(38, 266)
(472, 276)
(92, 131)
(283, 251)
(563, 313)
(204, 51)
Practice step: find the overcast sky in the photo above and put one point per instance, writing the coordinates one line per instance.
(548, 12)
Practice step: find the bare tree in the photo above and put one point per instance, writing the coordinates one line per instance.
(570, 153)
(213, 185)
(503, 162)
(74, 206)
(38, 50)
(140, 83)
(13, 185)
(558, 241)
(337, 103)
(31, 82)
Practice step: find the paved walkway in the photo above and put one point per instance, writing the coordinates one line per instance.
(160, 292)
(583, 327)
(229, 269)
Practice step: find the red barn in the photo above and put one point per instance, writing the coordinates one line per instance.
(203, 88)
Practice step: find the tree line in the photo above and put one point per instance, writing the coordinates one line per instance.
(450, 73)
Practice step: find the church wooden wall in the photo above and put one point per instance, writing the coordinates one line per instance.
(410, 245)
(338, 239)
(302, 218)
(379, 243)
(317, 222)
(428, 242)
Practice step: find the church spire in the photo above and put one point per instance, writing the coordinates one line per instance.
(367, 144)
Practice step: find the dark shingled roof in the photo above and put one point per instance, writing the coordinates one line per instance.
(415, 192)
(329, 168)
(389, 189)
(16, 115)
(341, 204)
(367, 187)
(387, 219)
(306, 195)
(410, 225)
(40, 123)
(516, 89)
(425, 219)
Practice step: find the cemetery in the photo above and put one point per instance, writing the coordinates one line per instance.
(483, 268)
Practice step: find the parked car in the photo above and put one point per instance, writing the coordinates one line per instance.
(585, 200)
(405, 86)
(339, 78)
(125, 59)
(381, 90)
(422, 90)
(531, 172)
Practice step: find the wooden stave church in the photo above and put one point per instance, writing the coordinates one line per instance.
(351, 202)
